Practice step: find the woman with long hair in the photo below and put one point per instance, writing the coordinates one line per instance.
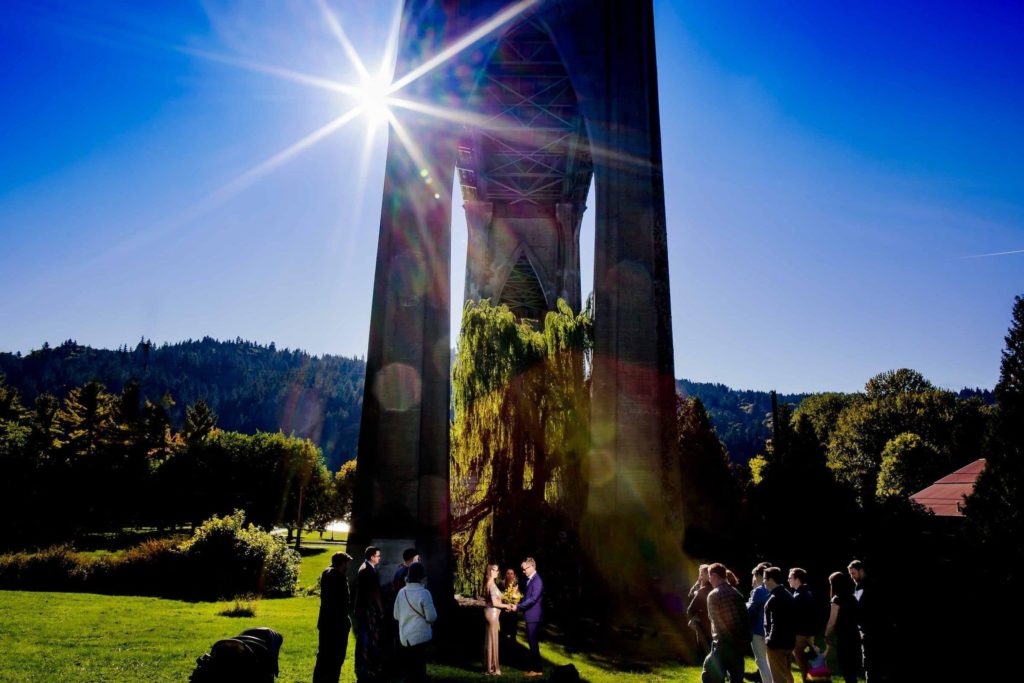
(842, 622)
(495, 606)
(697, 611)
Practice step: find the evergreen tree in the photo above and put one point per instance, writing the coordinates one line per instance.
(11, 409)
(200, 420)
(86, 419)
(710, 491)
(798, 512)
(996, 509)
(45, 430)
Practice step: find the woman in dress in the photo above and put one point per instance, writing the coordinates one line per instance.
(495, 606)
(842, 622)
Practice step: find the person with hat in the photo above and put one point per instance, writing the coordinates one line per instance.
(333, 622)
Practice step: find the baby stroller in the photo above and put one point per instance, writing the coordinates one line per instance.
(249, 657)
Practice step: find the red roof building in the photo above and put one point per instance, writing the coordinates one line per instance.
(946, 496)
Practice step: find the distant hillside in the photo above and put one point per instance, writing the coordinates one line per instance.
(742, 418)
(251, 387)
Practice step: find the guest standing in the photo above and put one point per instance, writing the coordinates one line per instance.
(414, 611)
(730, 629)
(805, 619)
(842, 623)
(755, 609)
(779, 629)
(697, 611)
(369, 616)
(333, 622)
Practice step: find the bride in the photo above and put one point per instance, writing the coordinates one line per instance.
(492, 596)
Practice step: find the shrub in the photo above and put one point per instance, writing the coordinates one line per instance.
(244, 607)
(223, 559)
(227, 558)
(59, 566)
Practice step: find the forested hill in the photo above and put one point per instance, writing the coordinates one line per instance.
(251, 387)
(741, 417)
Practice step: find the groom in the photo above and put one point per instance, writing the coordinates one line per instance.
(531, 606)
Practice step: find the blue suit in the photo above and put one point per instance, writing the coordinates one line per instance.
(533, 611)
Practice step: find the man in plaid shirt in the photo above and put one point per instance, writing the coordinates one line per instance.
(730, 630)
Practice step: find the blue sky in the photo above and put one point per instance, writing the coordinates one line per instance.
(829, 171)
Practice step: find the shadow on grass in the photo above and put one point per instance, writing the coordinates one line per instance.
(584, 643)
(126, 538)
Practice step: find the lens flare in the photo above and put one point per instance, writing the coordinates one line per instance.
(372, 97)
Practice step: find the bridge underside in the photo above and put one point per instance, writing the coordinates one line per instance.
(565, 93)
(525, 168)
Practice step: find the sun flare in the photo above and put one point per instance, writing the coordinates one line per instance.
(372, 97)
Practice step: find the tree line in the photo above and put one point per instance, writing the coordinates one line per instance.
(252, 387)
(98, 461)
(255, 387)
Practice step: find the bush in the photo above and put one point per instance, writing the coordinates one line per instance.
(227, 558)
(59, 566)
(223, 559)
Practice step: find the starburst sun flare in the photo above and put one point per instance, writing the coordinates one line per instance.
(372, 97)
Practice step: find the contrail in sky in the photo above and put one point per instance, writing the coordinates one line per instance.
(998, 253)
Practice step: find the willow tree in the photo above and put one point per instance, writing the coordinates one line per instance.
(522, 410)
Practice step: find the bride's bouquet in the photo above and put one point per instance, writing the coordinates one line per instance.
(511, 596)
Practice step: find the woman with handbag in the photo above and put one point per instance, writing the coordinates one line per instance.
(414, 611)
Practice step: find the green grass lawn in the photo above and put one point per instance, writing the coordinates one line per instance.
(87, 637)
(328, 537)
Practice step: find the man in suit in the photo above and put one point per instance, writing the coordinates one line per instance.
(369, 614)
(806, 619)
(779, 626)
(333, 622)
(874, 631)
(533, 612)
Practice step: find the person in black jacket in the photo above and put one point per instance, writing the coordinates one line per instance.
(779, 626)
(875, 627)
(333, 622)
(249, 657)
(369, 617)
(806, 619)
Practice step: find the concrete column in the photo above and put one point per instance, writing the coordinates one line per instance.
(630, 523)
(570, 219)
(401, 496)
(479, 266)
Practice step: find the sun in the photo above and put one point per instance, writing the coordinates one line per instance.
(372, 97)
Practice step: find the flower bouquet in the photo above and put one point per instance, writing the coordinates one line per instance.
(511, 596)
